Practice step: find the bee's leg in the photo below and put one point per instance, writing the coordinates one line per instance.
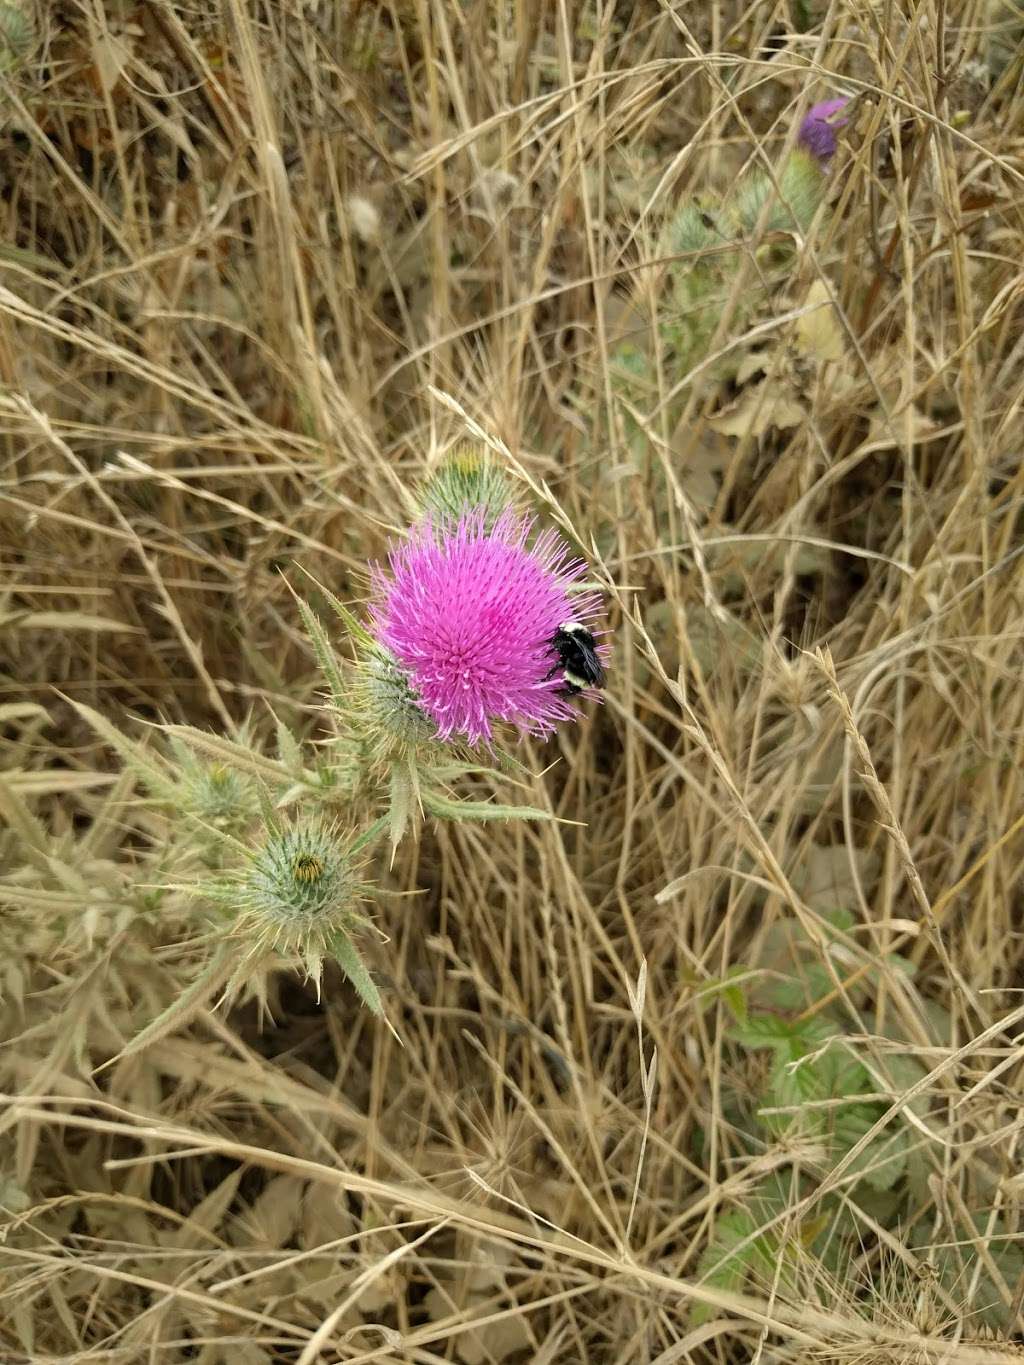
(556, 669)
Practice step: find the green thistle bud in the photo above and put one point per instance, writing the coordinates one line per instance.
(214, 793)
(17, 36)
(792, 209)
(389, 718)
(221, 795)
(467, 478)
(298, 895)
(299, 881)
(694, 229)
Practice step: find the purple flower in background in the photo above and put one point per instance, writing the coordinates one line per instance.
(818, 131)
(470, 612)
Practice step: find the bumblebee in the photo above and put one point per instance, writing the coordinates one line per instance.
(577, 658)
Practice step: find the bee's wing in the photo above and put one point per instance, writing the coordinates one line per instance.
(596, 667)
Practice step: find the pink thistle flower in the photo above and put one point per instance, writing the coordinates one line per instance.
(470, 612)
(817, 134)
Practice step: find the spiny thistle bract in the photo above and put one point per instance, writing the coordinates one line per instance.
(298, 894)
(801, 184)
(708, 240)
(466, 478)
(470, 610)
(801, 181)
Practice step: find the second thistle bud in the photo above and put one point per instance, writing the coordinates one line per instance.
(790, 208)
(17, 35)
(390, 720)
(467, 478)
(693, 229)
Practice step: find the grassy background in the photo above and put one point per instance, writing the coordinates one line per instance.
(253, 253)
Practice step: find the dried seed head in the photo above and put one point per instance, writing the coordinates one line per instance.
(364, 218)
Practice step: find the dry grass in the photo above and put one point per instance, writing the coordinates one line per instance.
(252, 250)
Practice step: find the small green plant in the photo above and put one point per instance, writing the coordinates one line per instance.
(709, 241)
(815, 1093)
(825, 1105)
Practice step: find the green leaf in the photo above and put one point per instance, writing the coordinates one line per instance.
(354, 627)
(233, 754)
(736, 999)
(792, 1087)
(734, 1251)
(764, 1030)
(731, 988)
(133, 754)
(400, 801)
(813, 983)
(267, 810)
(840, 920)
(884, 1159)
(802, 18)
(288, 750)
(369, 835)
(903, 1071)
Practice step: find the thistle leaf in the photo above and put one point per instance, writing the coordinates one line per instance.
(233, 754)
(183, 1007)
(35, 842)
(324, 651)
(289, 751)
(369, 835)
(358, 632)
(443, 808)
(133, 754)
(356, 971)
(400, 803)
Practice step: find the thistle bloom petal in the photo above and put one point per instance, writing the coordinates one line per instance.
(470, 609)
(817, 134)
